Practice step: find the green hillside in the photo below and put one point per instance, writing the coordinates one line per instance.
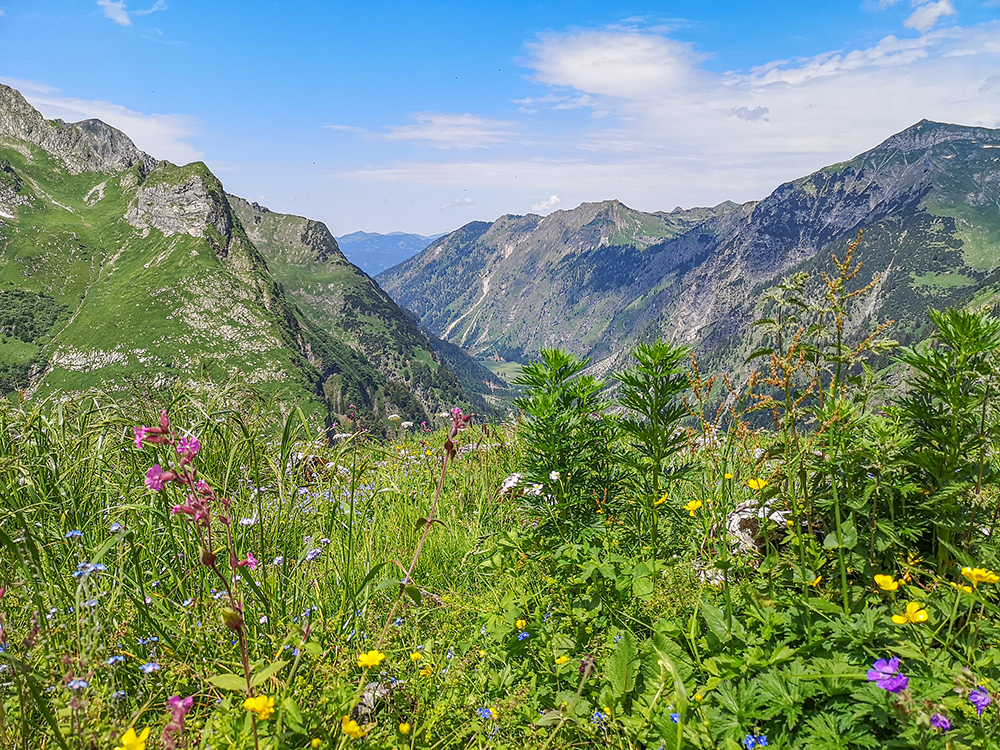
(122, 273)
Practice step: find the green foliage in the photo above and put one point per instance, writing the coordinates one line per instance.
(568, 440)
(535, 613)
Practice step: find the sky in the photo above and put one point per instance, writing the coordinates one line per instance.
(421, 117)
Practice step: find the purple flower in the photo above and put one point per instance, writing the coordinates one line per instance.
(154, 478)
(77, 684)
(886, 675)
(980, 699)
(940, 721)
(74, 534)
(313, 554)
(149, 667)
(178, 708)
(188, 447)
(140, 434)
(522, 635)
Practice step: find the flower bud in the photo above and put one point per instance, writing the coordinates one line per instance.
(232, 619)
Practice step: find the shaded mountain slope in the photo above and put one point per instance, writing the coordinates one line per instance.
(601, 277)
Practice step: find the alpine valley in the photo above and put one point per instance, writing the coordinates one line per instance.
(118, 272)
(597, 279)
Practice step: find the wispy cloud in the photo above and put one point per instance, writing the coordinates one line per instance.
(157, 6)
(346, 128)
(551, 202)
(452, 131)
(926, 16)
(116, 11)
(458, 203)
(163, 136)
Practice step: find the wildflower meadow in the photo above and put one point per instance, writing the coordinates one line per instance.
(666, 559)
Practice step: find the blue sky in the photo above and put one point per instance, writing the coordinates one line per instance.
(423, 116)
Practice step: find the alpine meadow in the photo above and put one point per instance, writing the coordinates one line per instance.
(721, 477)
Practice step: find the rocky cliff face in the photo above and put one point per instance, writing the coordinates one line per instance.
(601, 277)
(88, 146)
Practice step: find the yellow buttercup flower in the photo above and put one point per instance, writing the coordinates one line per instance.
(886, 583)
(351, 728)
(913, 614)
(260, 705)
(405, 728)
(520, 624)
(960, 587)
(815, 582)
(562, 660)
(316, 742)
(416, 656)
(692, 506)
(427, 671)
(482, 654)
(131, 741)
(371, 659)
(727, 475)
(662, 500)
(757, 484)
(980, 575)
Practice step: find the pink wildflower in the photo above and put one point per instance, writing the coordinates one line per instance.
(154, 478)
(140, 433)
(250, 562)
(178, 708)
(188, 448)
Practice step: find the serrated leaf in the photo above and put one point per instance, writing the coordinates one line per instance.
(623, 666)
(642, 588)
(229, 681)
(267, 673)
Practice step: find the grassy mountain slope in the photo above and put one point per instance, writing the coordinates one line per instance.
(601, 277)
(121, 272)
(338, 298)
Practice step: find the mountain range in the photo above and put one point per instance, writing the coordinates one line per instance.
(118, 271)
(597, 279)
(374, 252)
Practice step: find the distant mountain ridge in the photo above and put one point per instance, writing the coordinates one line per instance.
(599, 278)
(119, 271)
(376, 252)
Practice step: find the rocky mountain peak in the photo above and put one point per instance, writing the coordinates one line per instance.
(927, 133)
(87, 146)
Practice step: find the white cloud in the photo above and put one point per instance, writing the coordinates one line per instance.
(551, 202)
(2, 12)
(458, 203)
(611, 63)
(115, 10)
(925, 17)
(163, 136)
(750, 115)
(694, 137)
(448, 131)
